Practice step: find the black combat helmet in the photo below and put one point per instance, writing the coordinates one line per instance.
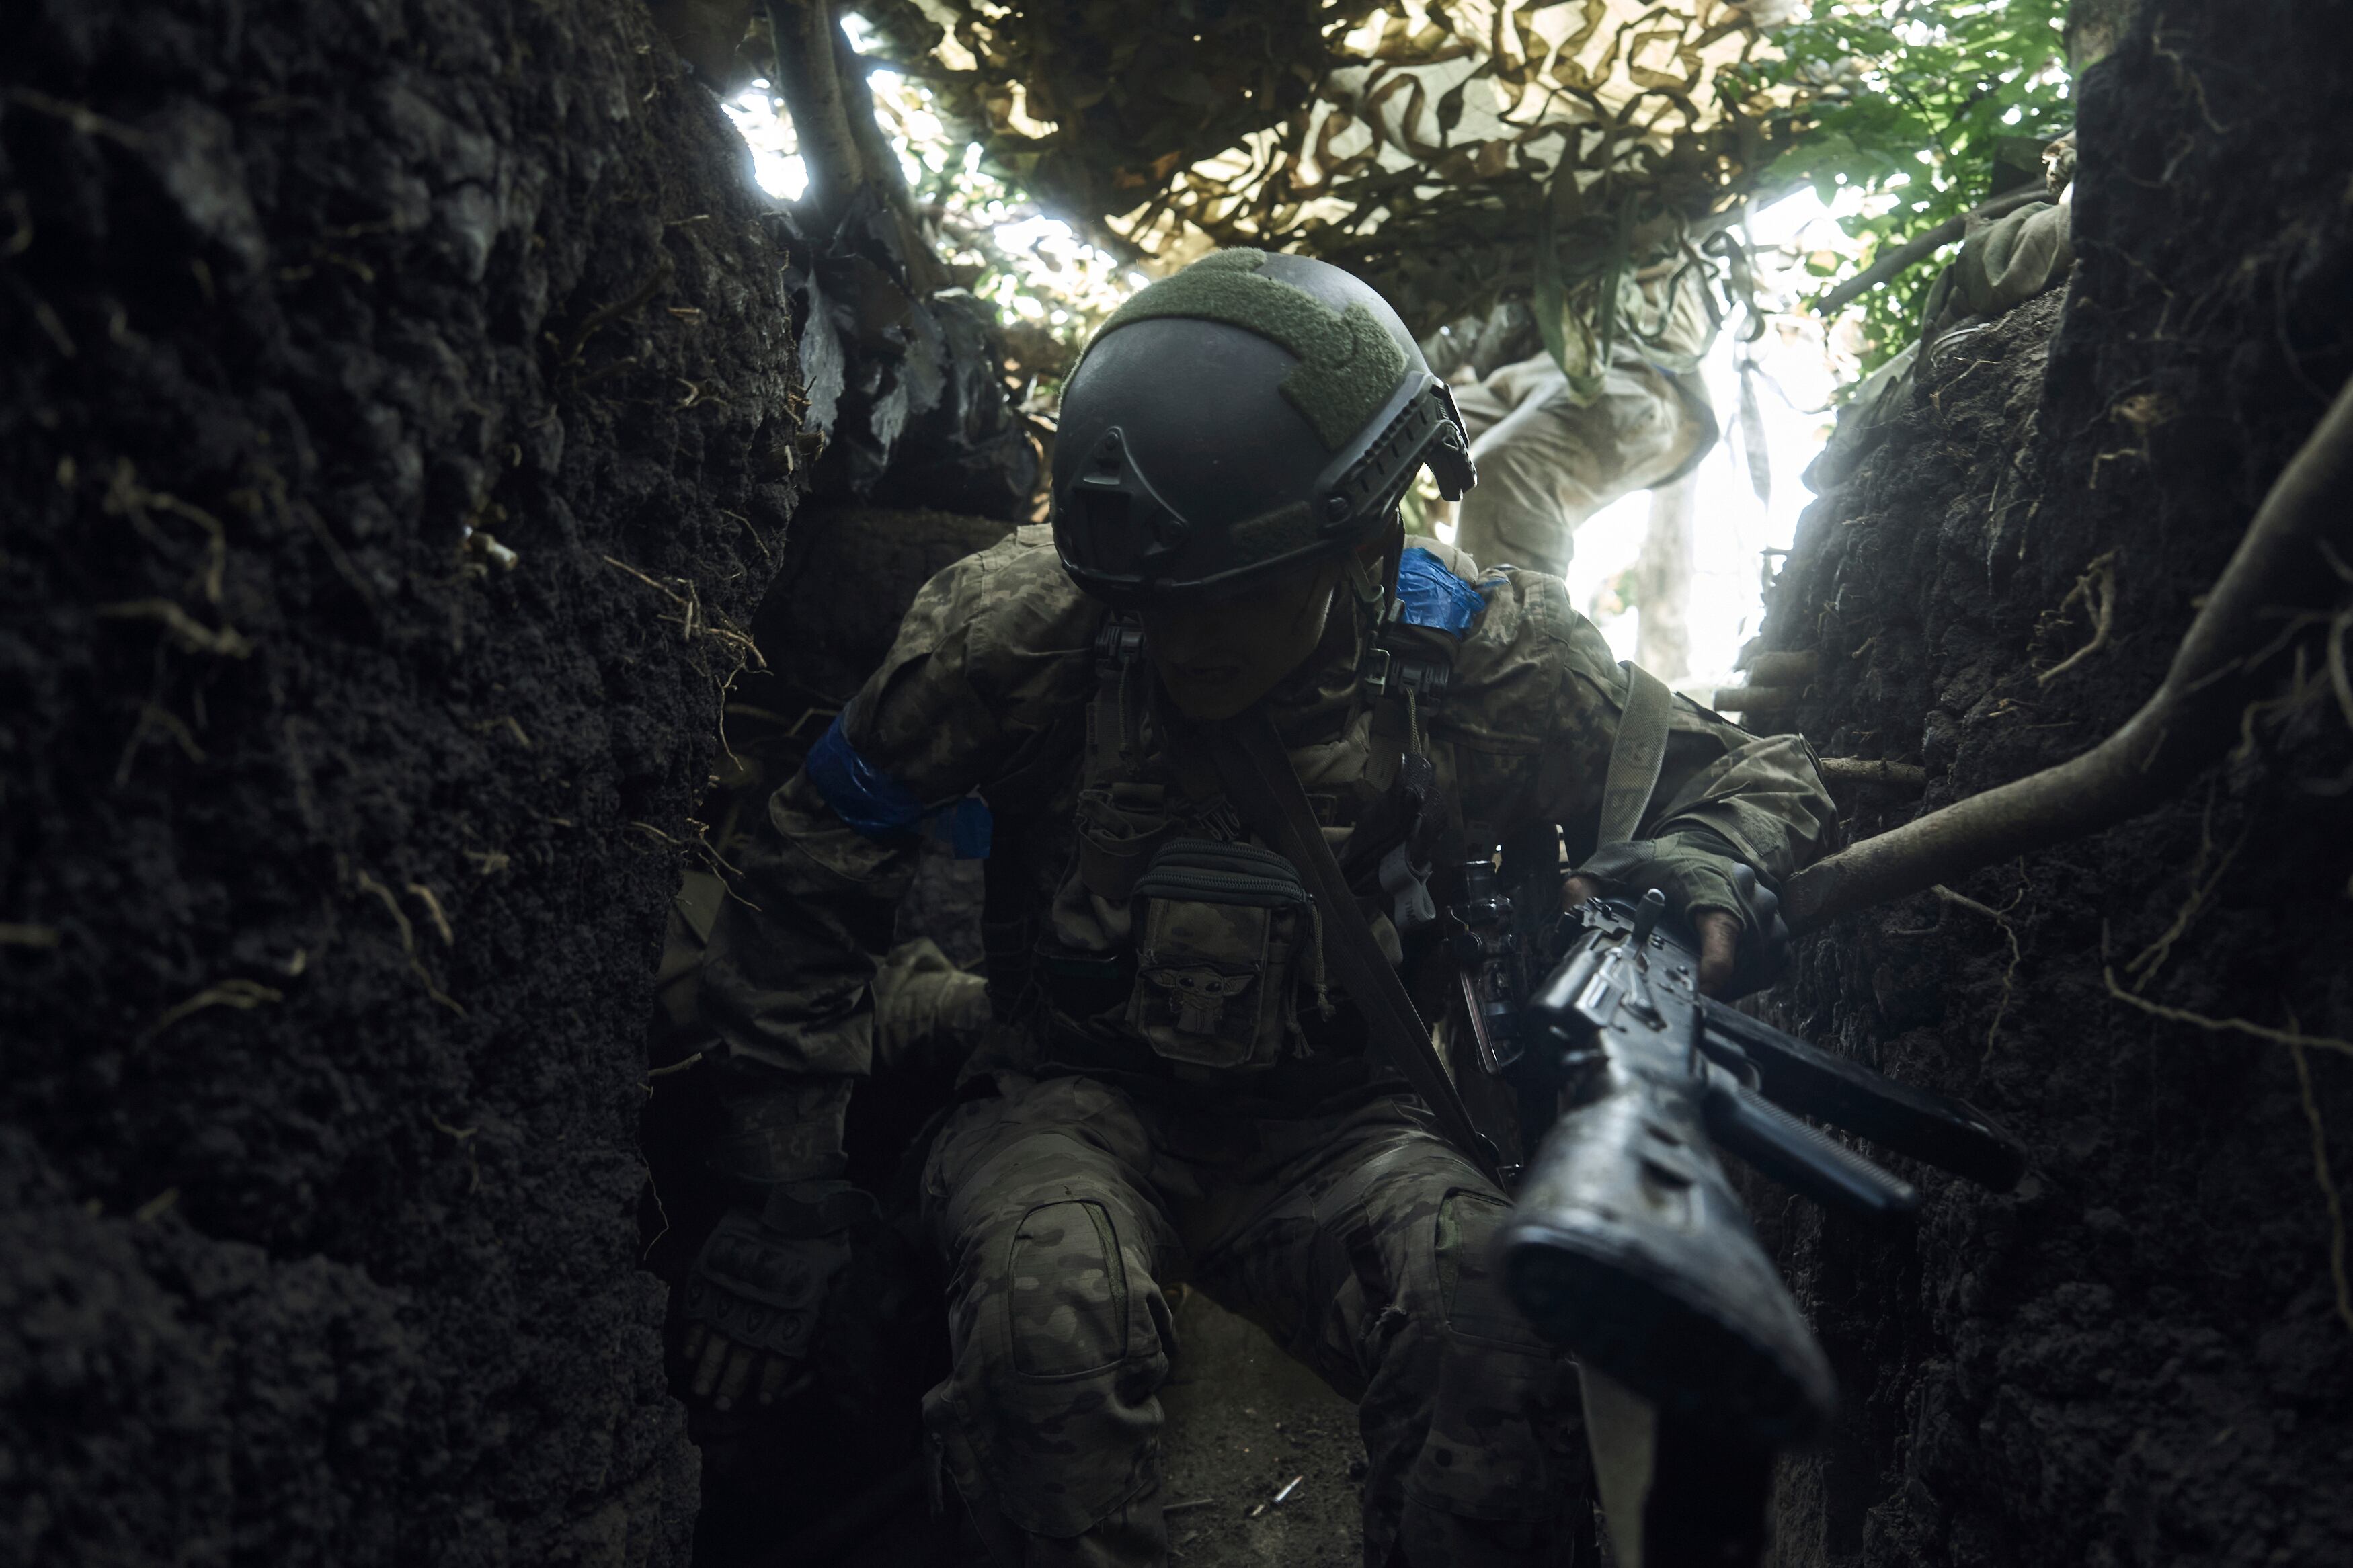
(1249, 412)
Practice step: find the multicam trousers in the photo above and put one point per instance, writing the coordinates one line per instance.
(1359, 1240)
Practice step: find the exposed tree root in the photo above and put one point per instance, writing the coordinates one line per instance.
(2279, 569)
(692, 620)
(2328, 1181)
(80, 116)
(2009, 933)
(654, 1187)
(368, 884)
(605, 315)
(2304, 687)
(2150, 959)
(507, 723)
(244, 996)
(702, 847)
(2337, 677)
(2296, 1038)
(154, 720)
(2337, 626)
(463, 1137)
(184, 628)
(2184, 77)
(681, 1064)
(2096, 591)
(126, 498)
(765, 553)
(433, 906)
(2297, 1044)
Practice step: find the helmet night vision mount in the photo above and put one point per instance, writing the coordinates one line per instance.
(1249, 413)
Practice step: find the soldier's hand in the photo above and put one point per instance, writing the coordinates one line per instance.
(1718, 934)
(757, 1290)
(1719, 949)
(723, 1370)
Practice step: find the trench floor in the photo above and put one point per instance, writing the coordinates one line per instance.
(1243, 1420)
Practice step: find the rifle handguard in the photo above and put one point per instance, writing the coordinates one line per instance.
(1936, 1128)
(1800, 1156)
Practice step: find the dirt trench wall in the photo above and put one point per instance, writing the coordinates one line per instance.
(2141, 1356)
(334, 842)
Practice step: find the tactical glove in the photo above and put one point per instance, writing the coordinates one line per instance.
(759, 1285)
(1695, 878)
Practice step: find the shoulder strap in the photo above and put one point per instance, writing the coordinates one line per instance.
(1636, 756)
(1257, 776)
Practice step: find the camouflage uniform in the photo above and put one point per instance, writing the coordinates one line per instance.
(1549, 461)
(1127, 1122)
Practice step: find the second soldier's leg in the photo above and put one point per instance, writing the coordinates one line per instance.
(1528, 501)
(1551, 463)
(1370, 1264)
(1050, 1422)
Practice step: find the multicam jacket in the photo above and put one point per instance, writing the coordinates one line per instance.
(1136, 934)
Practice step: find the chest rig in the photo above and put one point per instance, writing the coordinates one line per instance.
(1170, 929)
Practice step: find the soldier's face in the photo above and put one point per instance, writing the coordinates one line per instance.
(1216, 659)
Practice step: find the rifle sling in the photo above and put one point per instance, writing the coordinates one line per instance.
(1257, 776)
(1636, 756)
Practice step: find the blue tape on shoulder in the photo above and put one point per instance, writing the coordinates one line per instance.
(970, 827)
(1431, 595)
(876, 805)
(861, 794)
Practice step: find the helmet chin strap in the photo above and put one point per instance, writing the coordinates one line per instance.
(1372, 589)
(1375, 582)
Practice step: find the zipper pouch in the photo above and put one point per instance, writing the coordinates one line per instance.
(1220, 931)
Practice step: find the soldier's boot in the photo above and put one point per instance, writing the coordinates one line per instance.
(1050, 1425)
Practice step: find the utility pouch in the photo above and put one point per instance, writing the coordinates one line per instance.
(1120, 828)
(1221, 932)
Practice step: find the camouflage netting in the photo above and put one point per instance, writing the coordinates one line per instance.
(1586, 155)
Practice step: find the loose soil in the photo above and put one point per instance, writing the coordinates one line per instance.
(337, 839)
(2140, 1356)
(399, 413)
(1244, 1421)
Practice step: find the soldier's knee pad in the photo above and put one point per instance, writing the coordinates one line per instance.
(1050, 1413)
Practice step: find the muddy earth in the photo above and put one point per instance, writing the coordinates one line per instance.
(397, 418)
(2144, 1354)
(402, 427)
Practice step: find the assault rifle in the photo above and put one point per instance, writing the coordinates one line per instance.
(1627, 1244)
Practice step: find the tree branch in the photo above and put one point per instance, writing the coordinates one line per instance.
(881, 163)
(2280, 567)
(808, 77)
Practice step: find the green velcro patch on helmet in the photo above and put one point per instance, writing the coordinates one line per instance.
(1348, 363)
(1282, 531)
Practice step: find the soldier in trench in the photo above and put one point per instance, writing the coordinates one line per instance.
(1173, 1087)
(1548, 459)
